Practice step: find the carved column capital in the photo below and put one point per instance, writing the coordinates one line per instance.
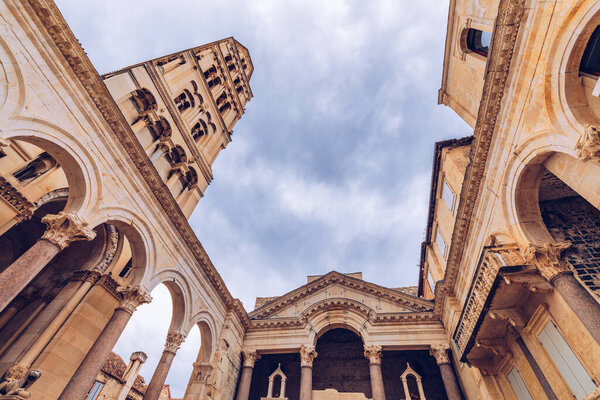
(588, 144)
(373, 353)
(174, 340)
(133, 296)
(547, 258)
(251, 356)
(307, 355)
(65, 227)
(440, 353)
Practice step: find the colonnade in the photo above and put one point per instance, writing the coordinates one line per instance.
(373, 353)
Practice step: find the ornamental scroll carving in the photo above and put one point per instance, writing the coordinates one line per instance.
(174, 340)
(588, 144)
(251, 356)
(66, 227)
(440, 353)
(307, 355)
(373, 353)
(132, 297)
(547, 258)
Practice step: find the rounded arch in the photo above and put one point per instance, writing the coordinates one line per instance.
(331, 314)
(12, 96)
(180, 292)
(79, 167)
(206, 324)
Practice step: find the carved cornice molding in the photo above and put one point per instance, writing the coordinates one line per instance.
(548, 259)
(307, 355)
(66, 227)
(174, 341)
(440, 353)
(251, 356)
(67, 44)
(91, 276)
(588, 144)
(13, 197)
(400, 298)
(373, 353)
(506, 29)
(111, 286)
(110, 251)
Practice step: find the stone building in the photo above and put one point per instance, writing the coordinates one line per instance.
(98, 175)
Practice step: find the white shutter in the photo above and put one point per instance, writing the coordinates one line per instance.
(516, 381)
(565, 360)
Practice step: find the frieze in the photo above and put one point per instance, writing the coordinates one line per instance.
(19, 202)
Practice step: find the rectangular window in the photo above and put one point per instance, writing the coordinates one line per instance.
(518, 385)
(448, 196)
(431, 281)
(566, 362)
(95, 391)
(441, 242)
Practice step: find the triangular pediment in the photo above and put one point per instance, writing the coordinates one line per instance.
(336, 287)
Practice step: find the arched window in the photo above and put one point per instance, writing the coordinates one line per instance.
(222, 98)
(214, 82)
(225, 107)
(479, 41)
(143, 100)
(39, 166)
(177, 157)
(161, 129)
(184, 100)
(199, 130)
(191, 178)
(590, 62)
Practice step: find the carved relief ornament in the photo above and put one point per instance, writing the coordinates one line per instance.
(66, 227)
(174, 340)
(133, 296)
(373, 353)
(13, 197)
(547, 258)
(307, 355)
(588, 144)
(440, 353)
(251, 356)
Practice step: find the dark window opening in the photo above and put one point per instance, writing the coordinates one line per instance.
(39, 166)
(479, 41)
(590, 62)
(126, 269)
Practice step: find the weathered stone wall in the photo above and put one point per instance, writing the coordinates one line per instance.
(393, 364)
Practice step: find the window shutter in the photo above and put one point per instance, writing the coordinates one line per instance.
(516, 382)
(565, 360)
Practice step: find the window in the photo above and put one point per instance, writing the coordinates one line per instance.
(448, 196)
(95, 391)
(590, 62)
(39, 166)
(566, 362)
(143, 100)
(479, 41)
(441, 242)
(518, 385)
(126, 269)
(430, 281)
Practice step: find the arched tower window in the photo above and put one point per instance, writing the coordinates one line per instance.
(161, 129)
(214, 82)
(39, 166)
(199, 130)
(590, 62)
(177, 156)
(478, 41)
(143, 100)
(184, 100)
(225, 107)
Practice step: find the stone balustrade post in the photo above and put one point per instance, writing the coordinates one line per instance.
(374, 353)
(174, 341)
(307, 355)
(62, 229)
(85, 375)
(440, 353)
(251, 356)
(548, 259)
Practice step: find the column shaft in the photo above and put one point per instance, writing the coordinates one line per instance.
(22, 271)
(306, 383)
(377, 389)
(86, 373)
(245, 380)
(581, 302)
(450, 382)
(160, 375)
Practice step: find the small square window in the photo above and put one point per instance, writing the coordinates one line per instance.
(448, 196)
(430, 281)
(441, 243)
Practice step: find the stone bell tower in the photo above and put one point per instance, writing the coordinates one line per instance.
(183, 107)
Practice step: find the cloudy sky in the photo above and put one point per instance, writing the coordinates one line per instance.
(330, 166)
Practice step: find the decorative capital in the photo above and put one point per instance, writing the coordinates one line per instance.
(373, 353)
(440, 353)
(307, 355)
(251, 356)
(174, 340)
(133, 296)
(65, 227)
(547, 258)
(588, 144)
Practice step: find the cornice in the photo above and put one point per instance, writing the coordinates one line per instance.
(506, 29)
(334, 277)
(87, 75)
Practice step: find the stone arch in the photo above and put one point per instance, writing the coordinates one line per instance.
(331, 314)
(140, 239)
(12, 93)
(180, 295)
(206, 324)
(77, 163)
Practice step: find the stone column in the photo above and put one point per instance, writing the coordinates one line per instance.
(548, 259)
(174, 340)
(373, 353)
(11, 311)
(250, 357)
(63, 229)
(87, 371)
(440, 353)
(307, 355)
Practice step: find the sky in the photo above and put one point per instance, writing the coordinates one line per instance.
(330, 166)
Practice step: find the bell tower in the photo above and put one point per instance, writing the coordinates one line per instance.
(183, 107)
